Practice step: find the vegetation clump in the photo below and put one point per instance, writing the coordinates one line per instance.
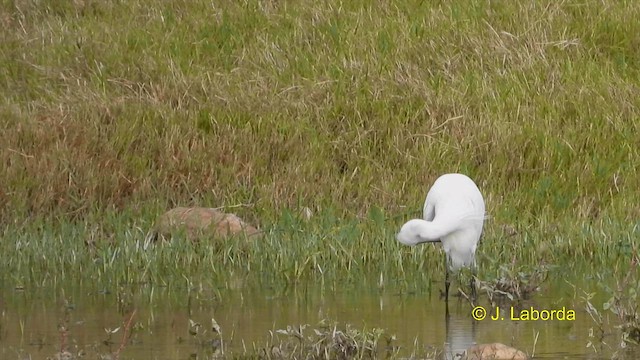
(514, 284)
(329, 342)
(623, 304)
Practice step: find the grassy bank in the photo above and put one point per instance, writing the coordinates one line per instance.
(328, 250)
(347, 105)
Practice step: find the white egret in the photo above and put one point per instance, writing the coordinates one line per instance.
(453, 215)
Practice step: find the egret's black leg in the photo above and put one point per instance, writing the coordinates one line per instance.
(473, 288)
(474, 275)
(447, 283)
(447, 279)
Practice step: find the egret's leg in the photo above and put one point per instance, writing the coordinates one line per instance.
(474, 274)
(447, 283)
(473, 287)
(447, 279)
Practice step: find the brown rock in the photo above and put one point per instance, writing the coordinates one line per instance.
(495, 351)
(198, 221)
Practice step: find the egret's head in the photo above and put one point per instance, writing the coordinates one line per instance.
(410, 232)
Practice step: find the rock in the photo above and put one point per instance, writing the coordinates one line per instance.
(306, 213)
(198, 221)
(495, 351)
(63, 355)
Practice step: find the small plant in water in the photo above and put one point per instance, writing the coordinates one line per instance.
(329, 342)
(68, 352)
(514, 283)
(210, 341)
(624, 305)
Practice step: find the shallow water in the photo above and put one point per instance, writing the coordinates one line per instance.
(30, 320)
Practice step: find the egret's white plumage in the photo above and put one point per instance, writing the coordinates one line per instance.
(453, 215)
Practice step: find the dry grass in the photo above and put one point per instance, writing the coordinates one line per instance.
(148, 105)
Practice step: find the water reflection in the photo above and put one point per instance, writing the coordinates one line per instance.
(30, 319)
(461, 332)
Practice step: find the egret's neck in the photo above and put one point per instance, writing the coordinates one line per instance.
(430, 231)
(418, 231)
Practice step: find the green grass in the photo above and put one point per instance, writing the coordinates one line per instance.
(328, 249)
(111, 113)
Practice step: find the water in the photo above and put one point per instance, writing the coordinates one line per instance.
(31, 319)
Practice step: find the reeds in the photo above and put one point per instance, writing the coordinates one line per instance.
(291, 250)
